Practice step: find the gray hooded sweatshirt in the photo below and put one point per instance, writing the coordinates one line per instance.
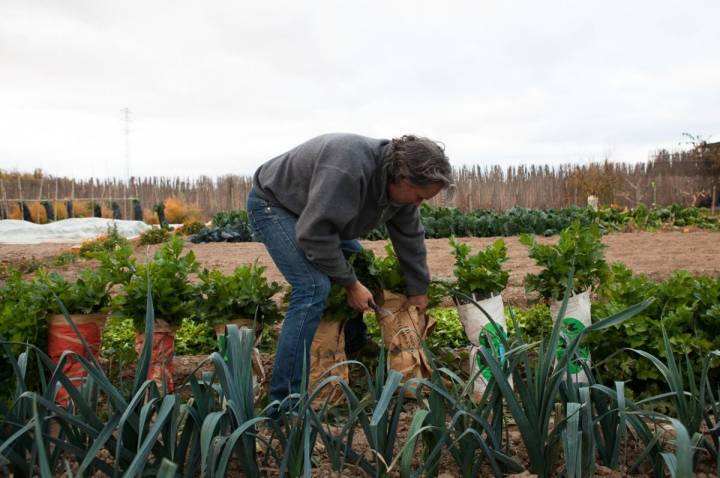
(337, 186)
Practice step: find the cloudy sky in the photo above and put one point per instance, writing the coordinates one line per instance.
(219, 87)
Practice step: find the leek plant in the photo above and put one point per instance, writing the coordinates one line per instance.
(694, 406)
(538, 382)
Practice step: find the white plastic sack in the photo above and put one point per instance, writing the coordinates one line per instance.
(474, 321)
(480, 331)
(577, 318)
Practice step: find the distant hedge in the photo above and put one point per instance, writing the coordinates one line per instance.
(441, 222)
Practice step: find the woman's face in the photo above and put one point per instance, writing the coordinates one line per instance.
(404, 193)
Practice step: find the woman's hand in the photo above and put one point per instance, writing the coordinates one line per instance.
(359, 297)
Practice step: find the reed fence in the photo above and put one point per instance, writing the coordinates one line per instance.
(683, 177)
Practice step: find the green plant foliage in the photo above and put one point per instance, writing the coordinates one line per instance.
(190, 228)
(579, 250)
(174, 297)
(363, 263)
(88, 294)
(244, 294)
(230, 218)
(23, 315)
(64, 259)
(448, 331)
(228, 226)
(108, 242)
(442, 222)
(534, 323)
(391, 278)
(154, 236)
(480, 274)
(118, 341)
(119, 263)
(195, 338)
(387, 270)
(688, 306)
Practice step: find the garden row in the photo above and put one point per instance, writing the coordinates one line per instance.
(441, 222)
(197, 304)
(565, 426)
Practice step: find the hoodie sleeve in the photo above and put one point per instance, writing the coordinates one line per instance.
(408, 237)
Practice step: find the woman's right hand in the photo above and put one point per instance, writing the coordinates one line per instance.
(359, 297)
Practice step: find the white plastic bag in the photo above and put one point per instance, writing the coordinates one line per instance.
(577, 318)
(474, 321)
(480, 332)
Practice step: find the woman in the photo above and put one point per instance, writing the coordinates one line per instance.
(309, 206)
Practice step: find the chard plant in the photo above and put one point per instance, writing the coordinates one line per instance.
(167, 275)
(579, 251)
(480, 275)
(391, 278)
(88, 294)
(244, 294)
(362, 262)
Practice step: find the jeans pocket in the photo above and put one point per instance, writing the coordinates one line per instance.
(255, 231)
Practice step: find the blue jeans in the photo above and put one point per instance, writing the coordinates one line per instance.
(275, 227)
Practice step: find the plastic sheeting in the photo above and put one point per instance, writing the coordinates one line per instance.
(74, 230)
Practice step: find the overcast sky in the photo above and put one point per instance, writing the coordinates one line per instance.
(218, 87)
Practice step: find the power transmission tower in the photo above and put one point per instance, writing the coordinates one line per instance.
(126, 119)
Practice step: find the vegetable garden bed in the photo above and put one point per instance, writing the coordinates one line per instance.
(544, 421)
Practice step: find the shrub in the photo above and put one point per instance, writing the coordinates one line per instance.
(60, 210)
(37, 212)
(149, 217)
(106, 242)
(154, 236)
(190, 228)
(176, 211)
(81, 209)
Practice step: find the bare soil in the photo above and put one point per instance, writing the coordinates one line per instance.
(656, 254)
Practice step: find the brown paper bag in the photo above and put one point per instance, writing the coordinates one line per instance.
(328, 349)
(403, 333)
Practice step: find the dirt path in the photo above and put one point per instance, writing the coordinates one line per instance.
(656, 254)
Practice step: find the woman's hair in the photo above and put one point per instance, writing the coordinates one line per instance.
(418, 160)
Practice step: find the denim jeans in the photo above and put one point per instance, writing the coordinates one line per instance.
(275, 227)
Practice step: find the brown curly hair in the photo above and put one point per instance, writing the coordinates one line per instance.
(418, 160)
